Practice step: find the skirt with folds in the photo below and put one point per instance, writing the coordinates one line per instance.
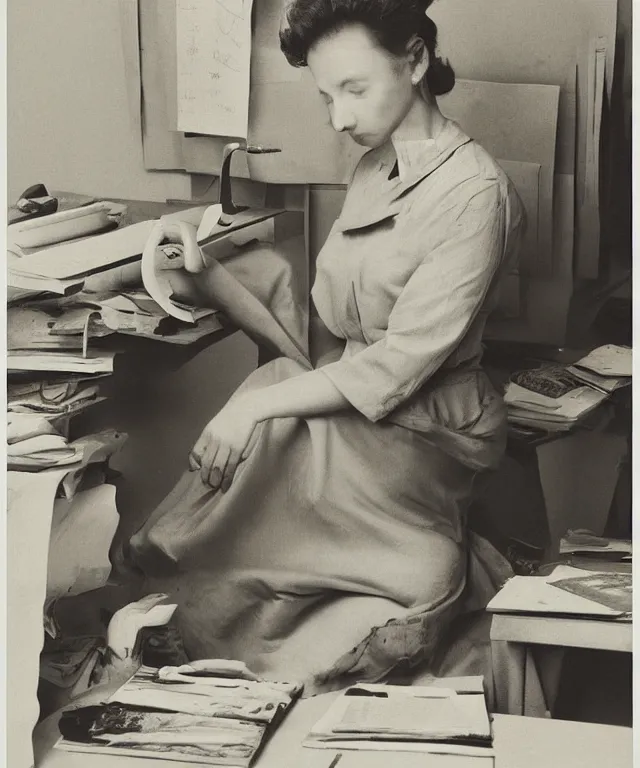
(338, 553)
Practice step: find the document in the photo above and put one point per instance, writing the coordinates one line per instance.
(77, 258)
(609, 360)
(204, 720)
(523, 595)
(28, 360)
(406, 718)
(84, 526)
(214, 61)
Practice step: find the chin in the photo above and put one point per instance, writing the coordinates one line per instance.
(368, 141)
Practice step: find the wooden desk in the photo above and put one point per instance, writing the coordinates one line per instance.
(520, 742)
(516, 672)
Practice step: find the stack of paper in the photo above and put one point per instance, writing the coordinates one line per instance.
(190, 718)
(33, 444)
(550, 398)
(35, 360)
(414, 719)
(53, 398)
(567, 591)
(606, 368)
(586, 545)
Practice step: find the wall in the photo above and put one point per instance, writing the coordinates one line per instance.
(69, 124)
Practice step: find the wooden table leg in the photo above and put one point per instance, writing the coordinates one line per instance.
(508, 662)
(548, 662)
(517, 685)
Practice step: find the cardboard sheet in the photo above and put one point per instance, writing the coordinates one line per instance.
(30, 499)
(268, 63)
(546, 300)
(526, 179)
(161, 143)
(277, 90)
(588, 198)
(130, 36)
(514, 122)
(535, 594)
(85, 526)
(213, 59)
(541, 41)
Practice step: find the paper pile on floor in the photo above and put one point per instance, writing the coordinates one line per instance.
(180, 714)
(436, 719)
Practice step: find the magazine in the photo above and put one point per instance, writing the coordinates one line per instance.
(198, 719)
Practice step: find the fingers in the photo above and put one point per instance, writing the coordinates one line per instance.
(218, 467)
(198, 450)
(230, 470)
(193, 259)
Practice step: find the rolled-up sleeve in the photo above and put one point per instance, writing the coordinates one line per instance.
(433, 312)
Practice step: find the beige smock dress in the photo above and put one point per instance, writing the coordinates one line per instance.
(339, 551)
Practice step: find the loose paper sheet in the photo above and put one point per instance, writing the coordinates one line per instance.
(546, 299)
(525, 177)
(535, 594)
(84, 527)
(214, 57)
(30, 499)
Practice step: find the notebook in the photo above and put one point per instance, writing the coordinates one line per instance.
(407, 718)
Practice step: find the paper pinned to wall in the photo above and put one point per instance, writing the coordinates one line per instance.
(214, 57)
(518, 122)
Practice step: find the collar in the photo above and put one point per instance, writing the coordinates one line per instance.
(378, 198)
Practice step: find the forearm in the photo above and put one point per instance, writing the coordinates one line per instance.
(310, 394)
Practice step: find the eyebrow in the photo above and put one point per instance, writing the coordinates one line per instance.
(346, 81)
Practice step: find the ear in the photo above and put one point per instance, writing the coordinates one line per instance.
(418, 59)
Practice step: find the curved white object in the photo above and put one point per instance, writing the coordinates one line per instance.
(156, 260)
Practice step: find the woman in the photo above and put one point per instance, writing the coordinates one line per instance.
(320, 534)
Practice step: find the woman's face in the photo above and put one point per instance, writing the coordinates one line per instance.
(368, 91)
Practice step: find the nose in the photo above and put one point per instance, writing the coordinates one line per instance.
(342, 119)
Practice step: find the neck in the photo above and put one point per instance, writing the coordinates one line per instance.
(423, 122)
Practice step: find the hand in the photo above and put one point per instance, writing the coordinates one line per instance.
(222, 444)
(185, 287)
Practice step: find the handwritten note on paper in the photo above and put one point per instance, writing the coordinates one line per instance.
(214, 61)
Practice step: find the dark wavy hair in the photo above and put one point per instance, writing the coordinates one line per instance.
(392, 23)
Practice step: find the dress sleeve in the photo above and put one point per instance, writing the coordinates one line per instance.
(433, 312)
